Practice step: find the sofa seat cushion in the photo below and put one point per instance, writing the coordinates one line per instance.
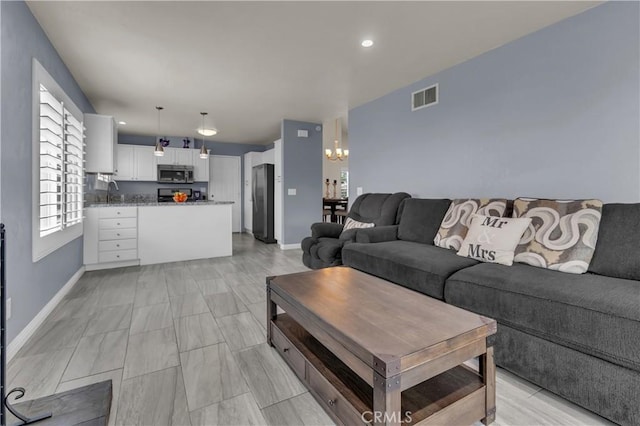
(420, 267)
(591, 313)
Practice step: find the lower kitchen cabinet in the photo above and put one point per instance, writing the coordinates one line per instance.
(110, 237)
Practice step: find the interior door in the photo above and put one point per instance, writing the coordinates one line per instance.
(224, 184)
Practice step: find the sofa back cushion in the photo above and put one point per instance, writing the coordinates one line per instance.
(379, 209)
(421, 219)
(618, 245)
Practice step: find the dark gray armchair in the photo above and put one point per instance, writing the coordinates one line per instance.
(324, 247)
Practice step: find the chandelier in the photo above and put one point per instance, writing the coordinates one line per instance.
(338, 153)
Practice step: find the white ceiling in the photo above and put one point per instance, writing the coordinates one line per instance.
(250, 64)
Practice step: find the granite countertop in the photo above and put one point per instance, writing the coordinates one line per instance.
(150, 204)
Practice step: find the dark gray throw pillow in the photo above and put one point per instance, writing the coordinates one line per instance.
(618, 249)
(421, 219)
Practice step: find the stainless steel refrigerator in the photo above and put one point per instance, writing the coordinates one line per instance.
(262, 197)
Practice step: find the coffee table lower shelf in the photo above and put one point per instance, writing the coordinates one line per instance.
(456, 396)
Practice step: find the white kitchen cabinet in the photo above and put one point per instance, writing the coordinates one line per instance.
(225, 184)
(177, 156)
(145, 163)
(200, 167)
(169, 157)
(136, 163)
(110, 237)
(268, 157)
(125, 162)
(250, 159)
(101, 143)
(184, 156)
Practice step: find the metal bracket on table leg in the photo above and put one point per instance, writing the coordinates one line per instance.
(24, 420)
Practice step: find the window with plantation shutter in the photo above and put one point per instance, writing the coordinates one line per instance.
(61, 165)
(51, 162)
(58, 168)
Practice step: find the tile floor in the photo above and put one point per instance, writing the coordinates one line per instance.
(184, 344)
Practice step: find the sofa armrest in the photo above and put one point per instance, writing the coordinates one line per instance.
(326, 230)
(349, 236)
(377, 234)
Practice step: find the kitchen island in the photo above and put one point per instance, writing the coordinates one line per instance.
(117, 235)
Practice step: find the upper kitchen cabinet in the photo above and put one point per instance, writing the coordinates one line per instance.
(169, 157)
(177, 156)
(136, 163)
(126, 162)
(200, 167)
(101, 140)
(184, 156)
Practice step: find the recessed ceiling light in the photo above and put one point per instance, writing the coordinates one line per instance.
(208, 132)
(367, 43)
(122, 123)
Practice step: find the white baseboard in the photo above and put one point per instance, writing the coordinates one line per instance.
(18, 342)
(111, 265)
(289, 246)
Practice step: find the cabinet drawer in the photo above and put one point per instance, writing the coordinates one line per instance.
(125, 222)
(117, 234)
(115, 212)
(117, 256)
(332, 399)
(289, 352)
(118, 245)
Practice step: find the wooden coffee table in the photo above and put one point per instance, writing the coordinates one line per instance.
(372, 352)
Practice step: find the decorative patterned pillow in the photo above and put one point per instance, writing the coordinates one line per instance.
(354, 224)
(456, 221)
(493, 239)
(562, 235)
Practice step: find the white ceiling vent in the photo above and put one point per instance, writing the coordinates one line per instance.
(424, 97)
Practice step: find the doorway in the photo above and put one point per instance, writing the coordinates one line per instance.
(225, 184)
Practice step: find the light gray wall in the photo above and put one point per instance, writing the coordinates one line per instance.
(30, 285)
(302, 170)
(553, 114)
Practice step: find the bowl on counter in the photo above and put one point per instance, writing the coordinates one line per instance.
(180, 197)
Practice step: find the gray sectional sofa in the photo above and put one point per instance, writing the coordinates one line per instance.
(575, 335)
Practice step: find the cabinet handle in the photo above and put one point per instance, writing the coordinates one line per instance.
(118, 223)
(285, 350)
(117, 245)
(332, 402)
(118, 235)
(117, 212)
(118, 256)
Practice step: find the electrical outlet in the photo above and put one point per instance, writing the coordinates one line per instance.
(359, 190)
(8, 306)
(291, 191)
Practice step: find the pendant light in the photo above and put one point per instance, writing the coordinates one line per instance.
(159, 150)
(339, 153)
(203, 149)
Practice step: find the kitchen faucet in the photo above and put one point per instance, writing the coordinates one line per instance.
(109, 187)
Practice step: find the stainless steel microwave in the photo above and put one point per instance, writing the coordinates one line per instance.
(175, 174)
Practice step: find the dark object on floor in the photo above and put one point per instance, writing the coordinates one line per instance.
(88, 405)
(324, 247)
